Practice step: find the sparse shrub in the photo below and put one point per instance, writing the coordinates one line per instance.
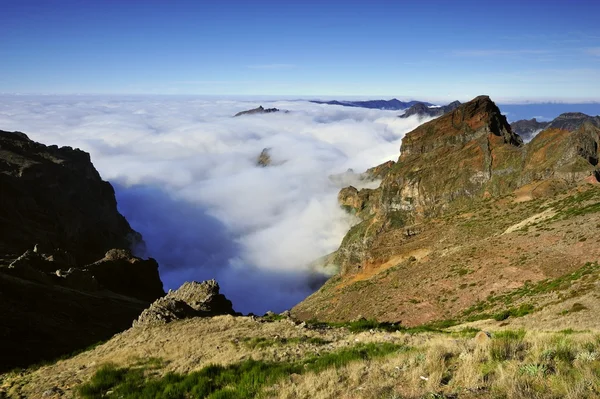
(534, 370)
(507, 345)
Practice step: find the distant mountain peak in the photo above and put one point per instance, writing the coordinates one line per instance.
(393, 105)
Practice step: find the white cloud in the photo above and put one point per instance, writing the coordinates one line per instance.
(185, 176)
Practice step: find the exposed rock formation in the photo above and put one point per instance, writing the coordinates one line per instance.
(192, 299)
(259, 110)
(125, 274)
(423, 110)
(55, 197)
(527, 129)
(57, 218)
(456, 161)
(264, 159)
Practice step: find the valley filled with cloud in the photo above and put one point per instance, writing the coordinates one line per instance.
(186, 176)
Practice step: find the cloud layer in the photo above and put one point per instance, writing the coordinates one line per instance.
(185, 175)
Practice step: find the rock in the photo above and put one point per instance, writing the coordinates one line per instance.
(259, 110)
(192, 299)
(123, 273)
(55, 197)
(482, 337)
(286, 313)
(78, 279)
(264, 159)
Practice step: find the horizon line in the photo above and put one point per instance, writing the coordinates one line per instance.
(322, 97)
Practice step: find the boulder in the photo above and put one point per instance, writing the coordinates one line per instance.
(192, 299)
(121, 272)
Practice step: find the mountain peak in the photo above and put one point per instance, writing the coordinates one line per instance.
(469, 121)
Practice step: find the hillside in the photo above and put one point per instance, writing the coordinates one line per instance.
(466, 216)
(67, 277)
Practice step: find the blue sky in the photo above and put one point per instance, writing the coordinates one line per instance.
(439, 50)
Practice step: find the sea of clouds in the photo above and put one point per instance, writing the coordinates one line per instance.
(185, 175)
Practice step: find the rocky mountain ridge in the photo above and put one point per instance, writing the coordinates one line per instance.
(455, 162)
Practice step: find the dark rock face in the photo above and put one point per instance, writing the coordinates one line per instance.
(125, 274)
(55, 197)
(528, 128)
(192, 299)
(423, 110)
(259, 110)
(61, 217)
(393, 104)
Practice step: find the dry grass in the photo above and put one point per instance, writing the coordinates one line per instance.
(512, 364)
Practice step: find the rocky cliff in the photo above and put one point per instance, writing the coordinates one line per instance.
(54, 197)
(464, 160)
(67, 276)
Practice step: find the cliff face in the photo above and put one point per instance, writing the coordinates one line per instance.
(459, 161)
(54, 197)
(67, 276)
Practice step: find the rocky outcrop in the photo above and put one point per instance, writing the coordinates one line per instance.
(466, 162)
(55, 197)
(424, 111)
(527, 129)
(67, 276)
(121, 272)
(463, 156)
(259, 110)
(192, 299)
(264, 158)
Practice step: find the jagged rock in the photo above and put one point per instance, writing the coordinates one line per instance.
(123, 273)
(259, 110)
(192, 299)
(55, 197)
(264, 159)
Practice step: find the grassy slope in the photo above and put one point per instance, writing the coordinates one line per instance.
(219, 358)
(467, 258)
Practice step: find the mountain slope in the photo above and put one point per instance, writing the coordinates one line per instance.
(450, 223)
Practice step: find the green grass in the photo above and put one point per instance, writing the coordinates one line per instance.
(241, 380)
